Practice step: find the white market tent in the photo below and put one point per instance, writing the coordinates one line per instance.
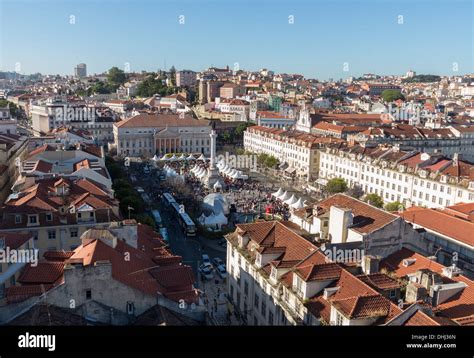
(213, 221)
(278, 193)
(284, 196)
(298, 205)
(291, 200)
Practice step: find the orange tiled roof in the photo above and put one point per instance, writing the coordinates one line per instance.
(441, 222)
(457, 307)
(367, 218)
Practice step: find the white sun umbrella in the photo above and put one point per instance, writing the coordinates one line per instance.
(291, 200)
(182, 156)
(173, 158)
(155, 158)
(201, 157)
(164, 157)
(199, 171)
(284, 196)
(298, 205)
(278, 193)
(203, 173)
(190, 157)
(217, 185)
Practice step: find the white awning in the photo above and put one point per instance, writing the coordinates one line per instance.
(321, 181)
(278, 193)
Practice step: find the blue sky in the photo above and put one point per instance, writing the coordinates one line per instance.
(326, 34)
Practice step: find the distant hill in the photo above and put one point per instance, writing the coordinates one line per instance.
(422, 78)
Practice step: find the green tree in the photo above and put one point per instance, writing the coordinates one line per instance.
(391, 95)
(134, 201)
(99, 87)
(145, 219)
(394, 206)
(172, 76)
(151, 86)
(374, 199)
(116, 77)
(241, 128)
(422, 78)
(12, 106)
(336, 185)
(226, 137)
(271, 161)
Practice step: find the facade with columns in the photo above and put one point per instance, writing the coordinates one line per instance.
(148, 134)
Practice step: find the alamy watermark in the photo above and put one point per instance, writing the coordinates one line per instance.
(68, 113)
(344, 255)
(239, 161)
(13, 256)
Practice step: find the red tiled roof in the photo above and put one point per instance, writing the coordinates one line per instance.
(441, 222)
(141, 271)
(14, 240)
(363, 306)
(367, 218)
(161, 120)
(16, 294)
(47, 272)
(380, 281)
(419, 318)
(457, 307)
(321, 272)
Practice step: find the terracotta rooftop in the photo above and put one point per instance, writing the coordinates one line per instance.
(458, 308)
(161, 120)
(367, 218)
(441, 222)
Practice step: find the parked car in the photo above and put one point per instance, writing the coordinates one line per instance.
(222, 271)
(206, 259)
(217, 261)
(206, 272)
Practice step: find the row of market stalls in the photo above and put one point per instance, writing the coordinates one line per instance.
(289, 199)
(199, 172)
(182, 157)
(230, 172)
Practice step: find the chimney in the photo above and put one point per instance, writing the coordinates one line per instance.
(127, 232)
(340, 220)
(455, 159)
(328, 292)
(370, 264)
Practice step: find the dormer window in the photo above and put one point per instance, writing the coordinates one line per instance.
(258, 260)
(274, 273)
(17, 219)
(32, 220)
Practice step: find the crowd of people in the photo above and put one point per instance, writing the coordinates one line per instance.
(247, 198)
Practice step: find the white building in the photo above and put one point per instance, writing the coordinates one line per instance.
(8, 125)
(412, 178)
(276, 277)
(297, 149)
(186, 78)
(148, 134)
